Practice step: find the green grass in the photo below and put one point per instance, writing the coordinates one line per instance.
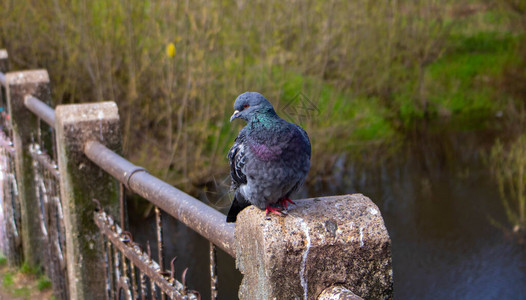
(43, 283)
(28, 281)
(311, 102)
(463, 81)
(8, 280)
(23, 292)
(29, 270)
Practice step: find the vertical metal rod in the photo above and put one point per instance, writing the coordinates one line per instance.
(134, 284)
(143, 285)
(160, 244)
(116, 258)
(152, 284)
(47, 182)
(39, 134)
(53, 145)
(213, 272)
(122, 207)
(111, 271)
(158, 219)
(122, 210)
(108, 267)
(124, 267)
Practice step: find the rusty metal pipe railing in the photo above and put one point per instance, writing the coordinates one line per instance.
(205, 220)
(41, 109)
(202, 218)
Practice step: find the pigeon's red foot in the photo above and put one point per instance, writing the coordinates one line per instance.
(271, 209)
(284, 203)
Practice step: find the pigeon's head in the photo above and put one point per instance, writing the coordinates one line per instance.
(250, 104)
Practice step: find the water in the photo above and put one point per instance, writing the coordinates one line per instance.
(438, 201)
(443, 243)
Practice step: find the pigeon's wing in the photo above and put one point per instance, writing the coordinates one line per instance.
(237, 159)
(305, 139)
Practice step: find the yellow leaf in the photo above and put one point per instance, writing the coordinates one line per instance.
(170, 50)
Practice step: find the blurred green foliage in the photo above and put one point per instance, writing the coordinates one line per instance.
(508, 166)
(356, 74)
(43, 283)
(507, 160)
(8, 280)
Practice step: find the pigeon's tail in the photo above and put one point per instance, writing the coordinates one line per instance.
(238, 205)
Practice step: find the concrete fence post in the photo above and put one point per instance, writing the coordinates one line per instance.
(25, 131)
(322, 242)
(81, 181)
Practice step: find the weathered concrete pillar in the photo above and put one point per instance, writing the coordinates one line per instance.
(25, 130)
(82, 181)
(321, 242)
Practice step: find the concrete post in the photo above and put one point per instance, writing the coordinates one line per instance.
(80, 182)
(25, 131)
(321, 242)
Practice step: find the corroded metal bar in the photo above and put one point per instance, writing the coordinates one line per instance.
(109, 266)
(42, 110)
(203, 219)
(160, 244)
(213, 273)
(44, 160)
(140, 259)
(152, 283)
(122, 205)
(143, 285)
(134, 288)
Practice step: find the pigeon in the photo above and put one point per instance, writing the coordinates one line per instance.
(270, 157)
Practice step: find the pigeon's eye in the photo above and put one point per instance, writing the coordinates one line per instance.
(246, 106)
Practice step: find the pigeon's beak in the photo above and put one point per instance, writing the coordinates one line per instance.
(235, 115)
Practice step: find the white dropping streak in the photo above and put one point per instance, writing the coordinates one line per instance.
(361, 237)
(100, 116)
(304, 259)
